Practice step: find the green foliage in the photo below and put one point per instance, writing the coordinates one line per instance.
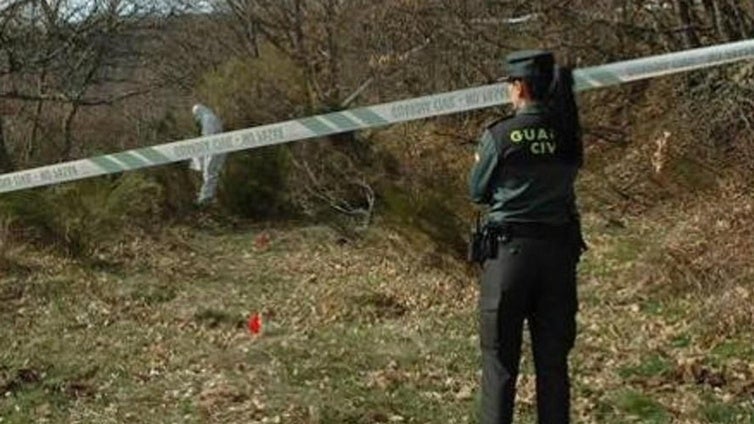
(85, 215)
(642, 407)
(731, 350)
(254, 183)
(251, 91)
(681, 341)
(427, 211)
(693, 175)
(91, 212)
(178, 190)
(31, 208)
(246, 92)
(721, 413)
(652, 366)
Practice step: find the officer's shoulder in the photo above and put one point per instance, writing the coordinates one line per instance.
(498, 125)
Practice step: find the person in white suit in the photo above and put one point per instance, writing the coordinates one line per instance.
(209, 166)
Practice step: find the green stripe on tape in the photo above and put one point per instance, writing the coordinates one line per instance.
(368, 116)
(153, 155)
(581, 82)
(107, 164)
(133, 162)
(342, 121)
(315, 125)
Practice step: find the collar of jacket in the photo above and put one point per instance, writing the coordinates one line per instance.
(533, 108)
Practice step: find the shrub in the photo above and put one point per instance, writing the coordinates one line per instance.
(252, 91)
(254, 183)
(423, 191)
(427, 212)
(246, 92)
(86, 215)
(179, 189)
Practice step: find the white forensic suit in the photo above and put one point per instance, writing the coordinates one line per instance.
(209, 166)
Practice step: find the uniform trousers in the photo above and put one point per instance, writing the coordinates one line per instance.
(532, 279)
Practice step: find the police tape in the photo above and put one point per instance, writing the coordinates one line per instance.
(365, 118)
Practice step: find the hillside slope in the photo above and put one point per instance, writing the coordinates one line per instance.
(355, 331)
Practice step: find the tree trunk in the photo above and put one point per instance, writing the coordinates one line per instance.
(68, 132)
(710, 6)
(302, 54)
(253, 38)
(690, 39)
(739, 21)
(31, 145)
(724, 30)
(334, 59)
(6, 164)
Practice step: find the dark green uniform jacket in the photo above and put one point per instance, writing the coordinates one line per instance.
(525, 170)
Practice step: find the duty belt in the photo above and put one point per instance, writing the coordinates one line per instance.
(533, 230)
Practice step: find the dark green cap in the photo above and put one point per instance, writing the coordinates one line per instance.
(530, 65)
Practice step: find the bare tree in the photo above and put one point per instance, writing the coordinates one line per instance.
(70, 55)
(6, 164)
(683, 10)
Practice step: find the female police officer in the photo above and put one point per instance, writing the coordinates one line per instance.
(525, 170)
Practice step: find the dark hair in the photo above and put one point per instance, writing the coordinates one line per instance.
(539, 87)
(565, 113)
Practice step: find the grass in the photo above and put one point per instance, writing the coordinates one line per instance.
(654, 365)
(361, 331)
(642, 408)
(732, 349)
(721, 413)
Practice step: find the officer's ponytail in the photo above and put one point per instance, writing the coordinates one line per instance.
(566, 113)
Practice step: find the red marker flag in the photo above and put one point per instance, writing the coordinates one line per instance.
(255, 323)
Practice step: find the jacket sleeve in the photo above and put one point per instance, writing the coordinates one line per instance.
(487, 159)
